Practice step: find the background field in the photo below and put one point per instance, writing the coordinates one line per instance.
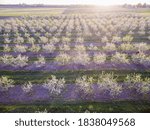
(12, 11)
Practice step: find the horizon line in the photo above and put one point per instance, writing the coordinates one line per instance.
(74, 4)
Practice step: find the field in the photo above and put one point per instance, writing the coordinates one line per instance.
(74, 59)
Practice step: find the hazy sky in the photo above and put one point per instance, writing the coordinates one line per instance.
(97, 2)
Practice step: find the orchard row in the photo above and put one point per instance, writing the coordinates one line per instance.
(81, 58)
(106, 82)
(50, 48)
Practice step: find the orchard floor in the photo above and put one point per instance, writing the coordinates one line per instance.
(20, 76)
(92, 107)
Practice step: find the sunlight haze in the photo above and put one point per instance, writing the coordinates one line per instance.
(68, 2)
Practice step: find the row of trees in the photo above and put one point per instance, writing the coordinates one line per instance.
(50, 48)
(84, 84)
(78, 57)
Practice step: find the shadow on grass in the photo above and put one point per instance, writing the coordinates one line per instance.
(93, 107)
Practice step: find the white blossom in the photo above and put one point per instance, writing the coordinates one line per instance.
(27, 87)
(40, 62)
(99, 58)
(34, 48)
(120, 58)
(20, 61)
(54, 85)
(109, 47)
(49, 48)
(84, 84)
(141, 47)
(7, 59)
(7, 48)
(6, 83)
(20, 48)
(81, 58)
(106, 81)
(63, 58)
(127, 47)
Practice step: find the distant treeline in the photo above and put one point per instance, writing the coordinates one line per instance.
(32, 6)
(139, 5)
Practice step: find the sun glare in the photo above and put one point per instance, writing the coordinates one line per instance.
(101, 2)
